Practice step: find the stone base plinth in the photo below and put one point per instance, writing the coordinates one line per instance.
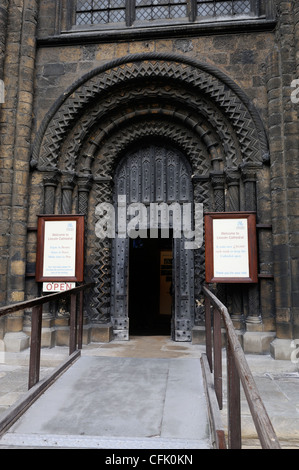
(101, 333)
(284, 349)
(16, 341)
(255, 342)
(198, 335)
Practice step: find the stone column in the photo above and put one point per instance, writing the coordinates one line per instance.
(67, 187)
(100, 267)
(283, 68)
(294, 197)
(50, 184)
(218, 181)
(50, 180)
(84, 186)
(233, 204)
(201, 185)
(61, 308)
(84, 183)
(16, 127)
(3, 30)
(249, 176)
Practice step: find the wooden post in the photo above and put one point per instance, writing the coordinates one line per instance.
(36, 328)
(208, 323)
(217, 356)
(233, 402)
(80, 321)
(73, 324)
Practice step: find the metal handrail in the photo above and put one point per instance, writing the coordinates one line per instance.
(237, 370)
(76, 324)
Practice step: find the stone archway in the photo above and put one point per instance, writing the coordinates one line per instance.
(204, 78)
(193, 106)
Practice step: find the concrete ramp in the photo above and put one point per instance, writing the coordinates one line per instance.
(119, 403)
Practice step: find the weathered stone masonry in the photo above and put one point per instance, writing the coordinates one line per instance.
(74, 106)
(283, 139)
(16, 128)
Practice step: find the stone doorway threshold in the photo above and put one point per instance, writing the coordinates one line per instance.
(145, 346)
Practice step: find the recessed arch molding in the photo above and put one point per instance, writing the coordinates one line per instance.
(205, 78)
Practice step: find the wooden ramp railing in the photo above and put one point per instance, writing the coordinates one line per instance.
(237, 371)
(35, 386)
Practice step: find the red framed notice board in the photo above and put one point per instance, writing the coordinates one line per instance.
(60, 248)
(231, 247)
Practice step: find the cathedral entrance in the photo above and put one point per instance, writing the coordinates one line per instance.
(153, 128)
(150, 286)
(152, 272)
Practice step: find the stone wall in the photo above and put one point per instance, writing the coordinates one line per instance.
(15, 131)
(282, 69)
(242, 57)
(262, 62)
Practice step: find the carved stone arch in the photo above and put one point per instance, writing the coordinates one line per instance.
(195, 112)
(201, 77)
(106, 159)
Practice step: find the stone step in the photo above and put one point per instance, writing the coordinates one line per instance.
(56, 441)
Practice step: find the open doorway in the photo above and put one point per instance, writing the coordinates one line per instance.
(150, 286)
(161, 175)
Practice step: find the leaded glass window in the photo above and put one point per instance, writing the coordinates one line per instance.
(130, 12)
(100, 11)
(149, 10)
(210, 8)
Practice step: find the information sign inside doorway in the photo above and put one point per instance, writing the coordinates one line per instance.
(60, 248)
(231, 251)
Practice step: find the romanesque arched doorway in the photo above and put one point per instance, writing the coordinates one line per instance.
(152, 270)
(121, 108)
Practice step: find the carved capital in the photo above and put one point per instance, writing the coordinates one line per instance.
(217, 179)
(68, 181)
(232, 176)
(84, 183)
(50, 179)
(249, 171)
